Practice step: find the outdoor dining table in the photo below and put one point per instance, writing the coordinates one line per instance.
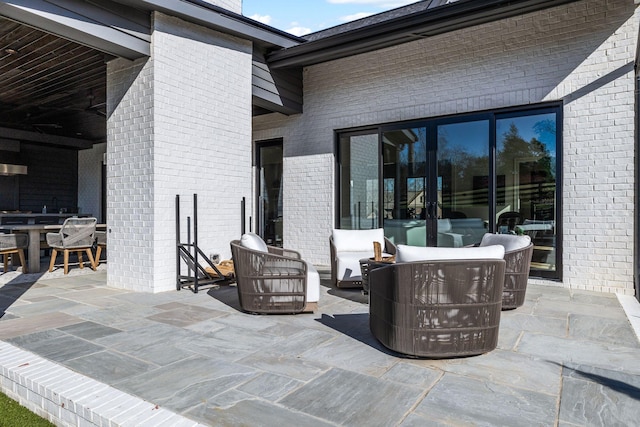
(34, 231)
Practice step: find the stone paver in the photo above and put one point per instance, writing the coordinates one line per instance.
(565, 358)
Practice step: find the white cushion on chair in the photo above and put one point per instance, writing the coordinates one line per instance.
(254, 242)
(313, 283)
(416, 253)
(357, 240)
(510, 242)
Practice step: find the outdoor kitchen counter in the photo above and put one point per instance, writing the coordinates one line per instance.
(36, 218)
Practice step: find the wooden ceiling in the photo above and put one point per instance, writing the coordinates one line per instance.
(50, 86)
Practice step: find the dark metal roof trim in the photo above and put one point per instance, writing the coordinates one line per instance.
(81, 22)
(401, 28)
(220, 19)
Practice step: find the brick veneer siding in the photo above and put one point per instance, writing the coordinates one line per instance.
(177, 122)
(581, 53)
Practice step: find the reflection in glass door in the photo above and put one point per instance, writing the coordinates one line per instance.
(359, 181)
(526, 163)
(463, 183)
(436, 194)
(405, 194)
(269, 163)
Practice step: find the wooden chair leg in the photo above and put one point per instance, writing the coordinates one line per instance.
(66, 261)
(92, 261)
(97, 257)
(80, 261)
(54, 253)
(22, 261)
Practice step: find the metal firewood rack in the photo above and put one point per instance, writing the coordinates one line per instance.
(189, 255)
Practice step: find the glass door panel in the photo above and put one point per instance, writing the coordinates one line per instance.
(405, 185)
(463, 183)
(359, 191)
(526, 168)
(270, 225)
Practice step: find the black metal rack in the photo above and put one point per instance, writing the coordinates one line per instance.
(190, 255)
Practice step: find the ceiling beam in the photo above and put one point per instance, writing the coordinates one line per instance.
(26, 136)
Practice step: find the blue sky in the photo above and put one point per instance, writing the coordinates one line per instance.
(301, 17)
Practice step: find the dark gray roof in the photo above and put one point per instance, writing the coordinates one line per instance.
(412, 22)
(379, 18)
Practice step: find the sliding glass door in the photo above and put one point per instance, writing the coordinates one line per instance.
(269, 161)
(358, 175)
(526, 165)
(446, 182)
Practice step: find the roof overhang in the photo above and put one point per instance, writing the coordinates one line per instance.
(220, 19)
(89, 24)
(423, 24)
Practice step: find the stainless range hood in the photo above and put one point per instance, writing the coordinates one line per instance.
(9, 170)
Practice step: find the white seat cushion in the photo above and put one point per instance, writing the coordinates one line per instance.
(313, 283)
(510, 242)
(415, 253)
(348, 264)
(357, 240)
(254, 242)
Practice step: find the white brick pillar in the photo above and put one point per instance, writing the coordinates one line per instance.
(178, 122)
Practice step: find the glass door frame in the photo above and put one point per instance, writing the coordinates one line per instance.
(431, 125)
(260, 226)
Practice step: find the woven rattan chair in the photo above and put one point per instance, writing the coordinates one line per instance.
(348, 247)
(517, 255)
(76, 235)
(439, 308)
(13, 244)
(273, 280)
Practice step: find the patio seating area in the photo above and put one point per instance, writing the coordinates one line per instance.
(565, 357)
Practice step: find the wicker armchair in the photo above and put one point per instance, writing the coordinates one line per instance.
(273, 280)
(438, 308)
(348, 247)
(76, 235)
(13, 244)
(517, 255)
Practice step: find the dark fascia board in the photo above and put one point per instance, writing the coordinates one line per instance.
(219, 19)
(80, 22)
(423, 24)
(27, 136)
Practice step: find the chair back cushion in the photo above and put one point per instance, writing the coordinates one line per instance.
(357, 240)
(78, 232)
(510, 242)
(406, 253)
(254, 242)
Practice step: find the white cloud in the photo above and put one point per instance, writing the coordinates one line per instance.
(265, 19)
(298, 31)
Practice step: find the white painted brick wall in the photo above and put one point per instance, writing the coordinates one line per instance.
(582, 52)
(185, 117)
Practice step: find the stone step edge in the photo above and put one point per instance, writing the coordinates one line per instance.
(67, 398)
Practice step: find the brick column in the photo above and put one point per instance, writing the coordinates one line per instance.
(179, 122)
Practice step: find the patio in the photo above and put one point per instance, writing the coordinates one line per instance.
(565, 358)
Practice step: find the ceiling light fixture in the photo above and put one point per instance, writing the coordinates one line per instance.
(11, 51)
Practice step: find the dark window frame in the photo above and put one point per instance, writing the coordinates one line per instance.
(492, 116)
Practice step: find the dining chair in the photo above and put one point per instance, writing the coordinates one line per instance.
(76, 235)
(13, 244)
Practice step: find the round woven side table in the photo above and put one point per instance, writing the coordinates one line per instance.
(369, 264)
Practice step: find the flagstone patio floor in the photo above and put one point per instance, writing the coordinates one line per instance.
(80, 353)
